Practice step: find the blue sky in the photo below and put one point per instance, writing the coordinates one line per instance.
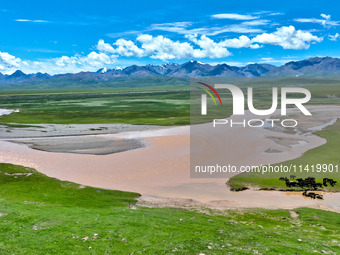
(72, 36)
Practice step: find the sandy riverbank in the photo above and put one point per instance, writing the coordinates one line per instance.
(93, 145)
(60, 130)
(160, 170)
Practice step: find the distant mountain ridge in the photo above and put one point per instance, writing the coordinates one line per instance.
(312, 67)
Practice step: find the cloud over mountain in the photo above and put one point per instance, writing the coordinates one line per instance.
(160, 47)
(224, 35)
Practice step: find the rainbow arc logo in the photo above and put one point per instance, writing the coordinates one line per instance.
(209, 93)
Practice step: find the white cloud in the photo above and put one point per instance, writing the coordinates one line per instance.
(29, 20)
(333, 37)
(123, 47)
(239, 28)
(176, 27)
(234, 16)
(184, 28)
(78, 63)
(91, 62)
(270, 60)
(325, 22)
(23, 20)
(259, 22)
(98, 59)
(127, 48)
(245, 27)
(39, 21)
(241, 42)
(275, 13)
(9, 61)
(288, 38)
(163, 48)
(93, 59)
(326, 17)
(210, 49)
(105, 47)
(160, 47)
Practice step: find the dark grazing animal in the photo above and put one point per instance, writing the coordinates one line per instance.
(312, 195)
(330, 181)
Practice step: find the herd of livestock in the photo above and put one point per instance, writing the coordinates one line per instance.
(308, 183)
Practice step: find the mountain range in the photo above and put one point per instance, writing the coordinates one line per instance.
(312, 67)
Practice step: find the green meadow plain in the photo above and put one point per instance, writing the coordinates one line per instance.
(42, 215)
(158, 108)
(155, 104)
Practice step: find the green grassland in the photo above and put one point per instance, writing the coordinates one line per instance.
(86, 84)
(325, 154)
(42, 215)
(159, 104)
(158, 108)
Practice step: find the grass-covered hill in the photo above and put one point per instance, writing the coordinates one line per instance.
(42, 215)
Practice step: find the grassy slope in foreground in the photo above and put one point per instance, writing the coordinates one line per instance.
(325, 154)
(42, 215)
